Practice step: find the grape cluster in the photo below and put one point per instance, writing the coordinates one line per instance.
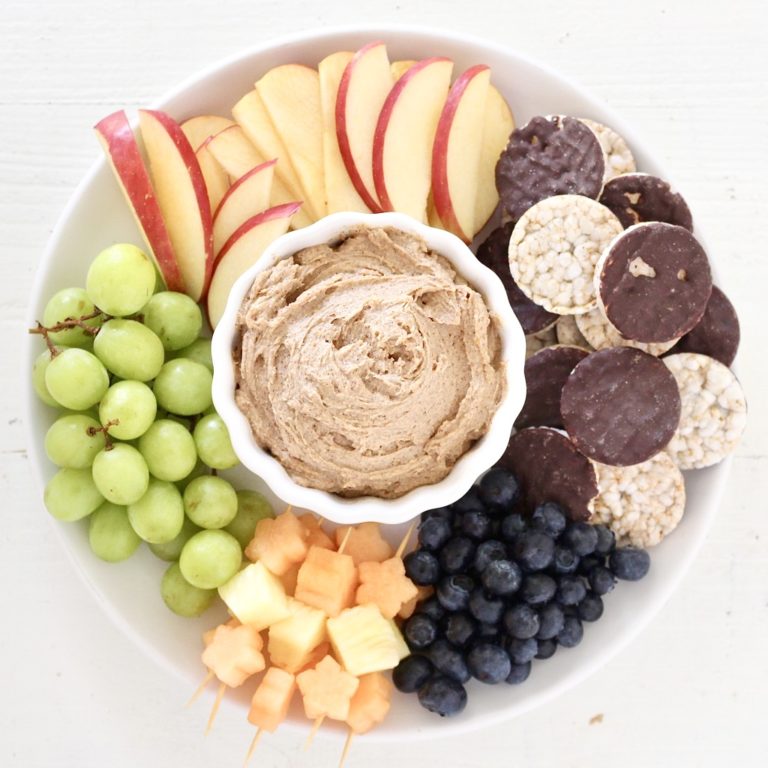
(139, 443)
(508, 588)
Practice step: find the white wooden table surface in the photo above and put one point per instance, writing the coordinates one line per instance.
(691, 76)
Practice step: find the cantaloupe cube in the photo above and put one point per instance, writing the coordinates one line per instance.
(271, 700)
(234, 654)
(422, 593)
(289, 578)
(327, 580)
(255, 596)
(386, 585)
(371, 702)
(327, 690)
(292, 640)
(278, 542)
(365, 543)
(317, 537)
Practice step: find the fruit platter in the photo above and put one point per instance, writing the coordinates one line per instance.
(452, 295)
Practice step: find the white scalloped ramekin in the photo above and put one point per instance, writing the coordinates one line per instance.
(474, 462)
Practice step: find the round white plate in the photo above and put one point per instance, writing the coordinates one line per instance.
(97, 216)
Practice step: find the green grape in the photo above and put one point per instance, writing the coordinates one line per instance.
(120, 280)
(210, 502)
(158, 515)
(73, 441)
(183, 387)
(67, 304)
(76, 379)
(71, 494)
(181, 597)
(121, 474)
(198, 470)
(169, 450)
(199, 351)
(39, 368)
(174, 317)
(129, 350)
(210, 559)
(110, 534)
(171, 550)
(251, 507)
(131, 406)
(213, 444)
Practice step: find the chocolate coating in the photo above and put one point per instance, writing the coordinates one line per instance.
(654, 282)
(549, 468)
(639, 197)
(548, 156)
(545, 374)
(620, 406)
(494, 254)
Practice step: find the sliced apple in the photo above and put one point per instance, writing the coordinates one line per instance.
(216, 178)
(122, 150)
(291, 95)
(340, 192)
(498, 123)
(182, 196)
(248, 196)
(433, 218)
(242, 250)
(198, 129)
(365, 84)
(399, 68)
(456, 151)
(405, 132)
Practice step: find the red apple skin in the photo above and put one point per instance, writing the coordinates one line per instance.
(381, 128)
(341, 129)
(440, 189)
(116, 136)
(239, 181)
(192, 165)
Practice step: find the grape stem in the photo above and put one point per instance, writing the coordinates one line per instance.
(93, 431)
(69, 322)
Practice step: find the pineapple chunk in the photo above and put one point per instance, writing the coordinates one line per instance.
(327, 690)
(271, 700)
(234, 653)
(278, 542)
(327, 580)
(365, 543)
(397, 638)
(370, 704)
(255, 596)
(386, 585)
(364, 641)
(316, 537)
(292, 640)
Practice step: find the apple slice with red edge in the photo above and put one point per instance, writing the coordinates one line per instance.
(199, 129)
(122, 150)
(456, 152)
(242, 250)
(182, 196)
(399, 68)
(405, 132)
(365, 84)
(248, 196)
(216, 178)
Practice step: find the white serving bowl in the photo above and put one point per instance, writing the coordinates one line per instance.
(483, 454)
(129, 593)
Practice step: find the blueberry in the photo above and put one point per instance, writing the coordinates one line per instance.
(586, 564)
(571, 590)
(488, 663)
(446, 513)
(571, 633)
(448, 660)
(434, 532)
(499, 489)
(501, 577)
(512, 526)
(488, 551)
(453, 591)
(431, 607)
(411, 673)
(601, 580)
(630, 563)
(518, 673)
(488, 633)
(485, 608)
(443, 696)
(422, 567)
(457, 554)
(420, 631)
(521, 621)
(581, 538)
(458, 629)
(564, 560)
(469, 501)
(550, 518)
(534, 550)
(546, 649)
(551, 621)
(538, 588)
(475, 524)
(606, 540)
(591, 607)
(521, 651)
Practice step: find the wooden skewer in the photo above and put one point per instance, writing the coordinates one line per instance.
(200, 688)
(254, 743)
(344, 541)
(347, 745)
(288, 509)
(315, 728)
(215, 707)
(404, 542)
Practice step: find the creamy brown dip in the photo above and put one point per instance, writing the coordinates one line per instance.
(367, 367)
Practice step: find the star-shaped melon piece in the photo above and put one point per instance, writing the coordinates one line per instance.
(316, 536)
(370, 704)
(365, 543)
(278, 542)
(409, 608)
(234, 653)
(386, 585)
(271, 700)
(327, 690)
